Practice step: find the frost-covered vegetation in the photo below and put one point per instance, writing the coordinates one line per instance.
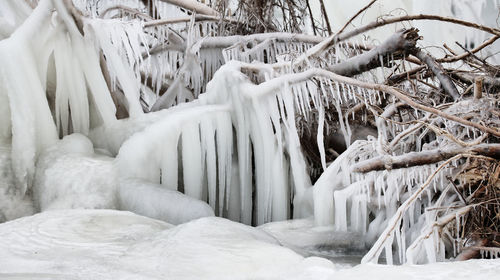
(178, 109)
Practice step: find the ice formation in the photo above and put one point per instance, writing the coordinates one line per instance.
(228, 147)
(13, 203)
(153, 201)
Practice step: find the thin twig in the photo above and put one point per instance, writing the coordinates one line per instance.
(325, 16)
(355, 16)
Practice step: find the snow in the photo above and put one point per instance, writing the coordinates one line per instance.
(107, 244)
(69, 175)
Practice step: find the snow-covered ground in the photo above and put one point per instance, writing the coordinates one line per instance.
(108, 244)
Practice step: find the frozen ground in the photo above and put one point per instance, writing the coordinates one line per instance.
(108, 244)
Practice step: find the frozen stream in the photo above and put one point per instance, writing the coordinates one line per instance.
(342, 248)
(108, 244)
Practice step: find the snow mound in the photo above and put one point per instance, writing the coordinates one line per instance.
(154, 201)
(69, 175)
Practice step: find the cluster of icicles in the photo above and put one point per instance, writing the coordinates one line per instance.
(236, 146)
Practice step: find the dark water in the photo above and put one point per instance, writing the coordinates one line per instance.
(341, 256)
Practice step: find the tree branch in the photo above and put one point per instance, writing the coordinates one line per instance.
(395, 221)
(422, 158)
(333, 39)
(325, 16)
(396, 46)
(355, 16)
(438, 70)
(194, 6)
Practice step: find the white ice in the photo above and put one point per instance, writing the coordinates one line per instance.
(107, 244)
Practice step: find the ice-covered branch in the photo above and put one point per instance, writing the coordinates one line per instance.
(430, 229)
(334, 39)
(397, 46)
(387, 236)
(438, 70)
(152, 23)
(426, 157)
(194, 6)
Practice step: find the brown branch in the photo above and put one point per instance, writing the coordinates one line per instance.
(473, 252)
(311, 16)
(422, 158)
(117, 95)
(76, 14)
(475, 50)
(394, 79)
(478, 87)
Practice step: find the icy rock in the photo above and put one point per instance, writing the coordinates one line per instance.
(154, 201)
(69, 175)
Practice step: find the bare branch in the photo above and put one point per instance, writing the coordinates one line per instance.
(325, 16)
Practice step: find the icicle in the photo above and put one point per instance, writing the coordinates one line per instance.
(321, 145)
(191, 161)
(388, 250)
(208, 147)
